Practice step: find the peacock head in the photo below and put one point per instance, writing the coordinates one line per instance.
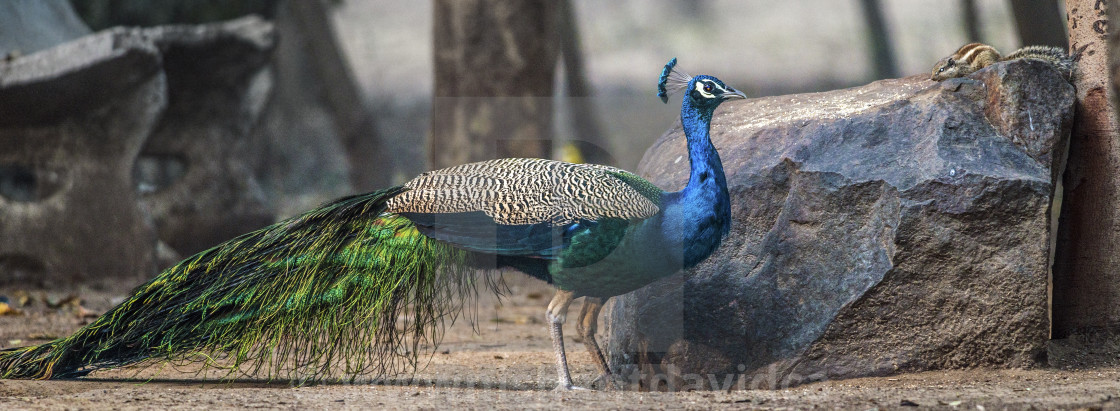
(703, 92)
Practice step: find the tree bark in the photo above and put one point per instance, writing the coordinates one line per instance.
(1040, 23)
(370, 166)
(881, 51)
(589, 137)
(495, 62)
(1114, 58)
(1086, 280)
(971, 21)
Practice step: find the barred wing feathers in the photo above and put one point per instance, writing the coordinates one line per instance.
(515, 191)
(522, 206)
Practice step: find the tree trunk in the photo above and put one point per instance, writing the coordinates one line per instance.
(1086, 280)
(589, 137)
(1040, 23)
(882, 53)
(495, 62)
(370, 165)
(971, 21)
(1114, 58)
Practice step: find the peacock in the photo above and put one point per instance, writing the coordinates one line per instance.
(360, 285)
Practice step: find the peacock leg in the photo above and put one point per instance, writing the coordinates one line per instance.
(587, 326)
(557, 312)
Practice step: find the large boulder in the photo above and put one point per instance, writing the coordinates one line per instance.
(72, 120)
(900, 226)
(196, 171)
(118, 139)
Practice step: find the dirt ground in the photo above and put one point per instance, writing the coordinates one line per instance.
(508, 364)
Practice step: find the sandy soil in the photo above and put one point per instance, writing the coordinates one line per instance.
(508, 364)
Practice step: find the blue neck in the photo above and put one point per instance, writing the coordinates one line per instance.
(705, 202)
(702, 155)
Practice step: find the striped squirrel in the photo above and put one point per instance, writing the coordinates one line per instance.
(975, 56)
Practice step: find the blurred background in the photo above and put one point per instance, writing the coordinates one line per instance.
(356, 95)
(761, 47)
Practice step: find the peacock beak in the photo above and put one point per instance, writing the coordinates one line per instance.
(733, 94)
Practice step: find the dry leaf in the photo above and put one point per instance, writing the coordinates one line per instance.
(6, 309)
(69, 300)
(83, 312)
(22, 298)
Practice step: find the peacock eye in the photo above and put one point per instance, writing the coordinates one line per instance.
(708, 87)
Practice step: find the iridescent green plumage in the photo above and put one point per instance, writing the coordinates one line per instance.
(343, 286)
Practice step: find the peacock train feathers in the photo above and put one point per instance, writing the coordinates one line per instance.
(361, 285)
(346, 284)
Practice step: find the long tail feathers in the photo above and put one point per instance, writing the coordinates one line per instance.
(342, 290)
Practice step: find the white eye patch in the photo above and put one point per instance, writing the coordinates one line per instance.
(700, 88)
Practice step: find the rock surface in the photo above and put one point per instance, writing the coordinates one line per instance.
(196, 171)
(118, 138)
(72, 120)
(900, 226)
